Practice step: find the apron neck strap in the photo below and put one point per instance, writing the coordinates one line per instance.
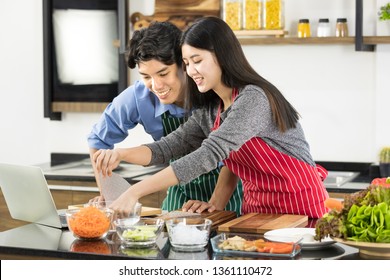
(217, 121)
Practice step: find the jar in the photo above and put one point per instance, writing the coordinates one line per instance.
(252, 14)
(273, 14)
(341, 27)
(232, 13)
(304, 28)
(323, 29)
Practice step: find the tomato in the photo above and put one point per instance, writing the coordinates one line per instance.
(384, 182)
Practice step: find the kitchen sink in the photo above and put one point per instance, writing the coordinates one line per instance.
(339, 178)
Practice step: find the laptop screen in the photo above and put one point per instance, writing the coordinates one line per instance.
(27, 195)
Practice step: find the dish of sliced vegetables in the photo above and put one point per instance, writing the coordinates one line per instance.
(254, 245)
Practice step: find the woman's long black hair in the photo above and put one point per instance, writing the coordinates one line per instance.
(214, 35)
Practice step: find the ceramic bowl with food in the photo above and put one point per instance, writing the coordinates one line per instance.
(89, 222)
(141, 233)
(189, 234)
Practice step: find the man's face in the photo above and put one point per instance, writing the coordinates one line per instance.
(165, 81)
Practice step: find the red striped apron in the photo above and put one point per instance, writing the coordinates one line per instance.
(274, 182)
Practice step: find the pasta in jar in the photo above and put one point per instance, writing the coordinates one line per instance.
(232, 13)
(273, 14)
(252, 14)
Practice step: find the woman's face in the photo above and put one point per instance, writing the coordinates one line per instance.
(202, 67)
(165, 81)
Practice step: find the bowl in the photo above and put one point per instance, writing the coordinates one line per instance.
(189, 234)
(89, 222)
(135, 215)
(141, 233)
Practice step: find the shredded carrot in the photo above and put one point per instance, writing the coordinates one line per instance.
(89, 222)
(333, 203)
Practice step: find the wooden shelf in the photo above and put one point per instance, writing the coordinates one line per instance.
(97, 107)
(256, 33)
(259, 40)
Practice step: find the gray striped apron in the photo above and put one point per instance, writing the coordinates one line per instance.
(200, 188)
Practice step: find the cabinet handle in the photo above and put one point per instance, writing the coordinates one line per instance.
(73, 188)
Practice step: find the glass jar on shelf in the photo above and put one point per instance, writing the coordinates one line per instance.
(252, 14)
(341, 27)
(323, 29)
(232, 13)
(304, 28)
(273, 14)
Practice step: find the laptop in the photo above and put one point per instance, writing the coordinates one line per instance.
(28, 197)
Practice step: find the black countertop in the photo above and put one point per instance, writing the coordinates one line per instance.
(34, 241)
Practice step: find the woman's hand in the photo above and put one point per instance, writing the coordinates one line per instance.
(96, 200)
(198, 206)
(106, 161)
(124, 205)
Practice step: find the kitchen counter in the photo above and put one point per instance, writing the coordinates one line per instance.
(34, 241)
(77, 167)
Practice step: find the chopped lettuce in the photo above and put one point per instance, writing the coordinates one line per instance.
(364, 217)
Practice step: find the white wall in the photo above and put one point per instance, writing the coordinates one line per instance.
(342, 95)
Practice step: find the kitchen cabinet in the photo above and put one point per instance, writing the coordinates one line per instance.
(83, 69)
(67, 193)
(6, 221)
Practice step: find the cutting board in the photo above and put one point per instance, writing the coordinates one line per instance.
(217, 217)
(150, 211)
(261, 223)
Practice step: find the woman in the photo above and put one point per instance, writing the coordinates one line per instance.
(242, 120)
(157, 103)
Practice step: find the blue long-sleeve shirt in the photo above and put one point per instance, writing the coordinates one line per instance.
(135, 105)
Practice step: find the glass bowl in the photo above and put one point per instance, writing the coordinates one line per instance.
(135, 215)
(89, 222)
(138, 233)
(99, 246)
(189, 234)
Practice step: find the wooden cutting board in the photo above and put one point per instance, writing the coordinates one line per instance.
(261, 223)
(150, 211)
(217, 217)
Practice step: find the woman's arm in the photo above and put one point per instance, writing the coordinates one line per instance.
(107, 160)
(157, 182)
(226, 184)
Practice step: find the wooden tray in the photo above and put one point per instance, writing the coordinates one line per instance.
(261, 223)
